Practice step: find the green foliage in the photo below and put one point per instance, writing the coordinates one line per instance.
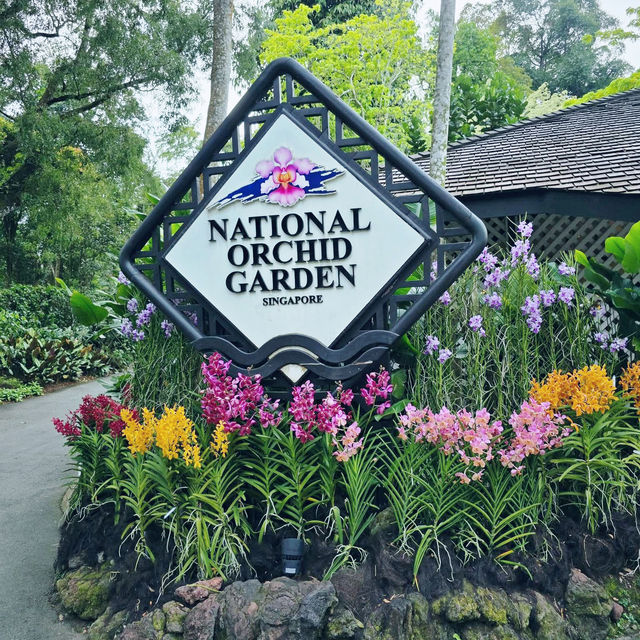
(616, 86)
(619, 291)
(256, 18)
(416, 140)
(84, 311)
(596, 470)
(69, 156)
(45, 355)
(43, 306)
(625, 589)
(542, 101)
(371, 62)
(214, 520)
(500, 514)
(487, 92)
(480, 371)
(12, 390)
(549, 40)
(165, 370)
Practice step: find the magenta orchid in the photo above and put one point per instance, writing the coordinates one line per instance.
(284, 177)
(238, 402)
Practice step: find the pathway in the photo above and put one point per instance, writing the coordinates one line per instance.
(33, 463)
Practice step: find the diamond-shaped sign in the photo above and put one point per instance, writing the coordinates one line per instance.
(299, 239)
(305, 257)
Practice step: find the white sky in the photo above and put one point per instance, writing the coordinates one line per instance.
(197, 110)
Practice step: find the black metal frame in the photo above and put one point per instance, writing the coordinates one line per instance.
(285, 86)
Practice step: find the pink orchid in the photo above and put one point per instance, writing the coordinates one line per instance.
(284, 177)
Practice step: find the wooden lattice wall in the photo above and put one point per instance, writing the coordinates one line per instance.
(555, 235)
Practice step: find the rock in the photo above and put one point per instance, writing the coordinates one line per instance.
(357, 588)
(108, 625)
(423, 625)
(588, 606)
(158, 619)
(140, 630)
(546, 620)
(76, 561)
(342, 625)
(193, 593)
(519, 613)
(616, 612)
(390, 621)
(480, 613)
(238, 615)
(85, 592)
(481, 631)
(394, 569)
(318, 600)
(200, 622)
(458, 606)
(281, 609)
(174, 615)
(493, 605)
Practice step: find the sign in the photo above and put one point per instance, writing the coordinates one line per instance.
(293, 242)
(309, 241)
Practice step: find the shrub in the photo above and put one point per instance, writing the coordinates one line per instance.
(46, 355)
(12, 390)
(42, 306)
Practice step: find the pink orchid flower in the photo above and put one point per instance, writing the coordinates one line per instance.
(284, 177)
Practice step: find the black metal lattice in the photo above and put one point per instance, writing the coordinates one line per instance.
(453, 235)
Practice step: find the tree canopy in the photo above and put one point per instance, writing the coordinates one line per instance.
(375, 64)
(553, 41)
(71, 73)
(488, 91)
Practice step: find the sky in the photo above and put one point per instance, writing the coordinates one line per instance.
(198, 108)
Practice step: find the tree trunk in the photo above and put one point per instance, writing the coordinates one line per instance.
(442, 98)
(220, 65)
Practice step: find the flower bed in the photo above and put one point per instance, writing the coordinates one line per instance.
(500, 438)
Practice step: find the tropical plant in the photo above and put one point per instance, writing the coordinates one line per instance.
(619, 290)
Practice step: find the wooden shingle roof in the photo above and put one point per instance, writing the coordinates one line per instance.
(591, 147)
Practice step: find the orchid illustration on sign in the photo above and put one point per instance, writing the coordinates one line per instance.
(284, 180)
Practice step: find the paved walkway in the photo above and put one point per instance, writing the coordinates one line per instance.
(33, 462)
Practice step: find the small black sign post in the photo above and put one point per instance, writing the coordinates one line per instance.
(299, 240)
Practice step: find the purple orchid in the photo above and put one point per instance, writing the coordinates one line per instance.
(284, 179)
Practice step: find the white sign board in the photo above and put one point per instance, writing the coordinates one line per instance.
(293, 242)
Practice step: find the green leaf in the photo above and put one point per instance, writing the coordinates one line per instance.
(63, 285)
(633, 237)
(581, 258)
(399, 380)
(85, 311)
(595, 278)
(615, 246)
(631, 261)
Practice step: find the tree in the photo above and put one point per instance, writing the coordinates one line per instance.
(442, 97)
(71, 72)
(542, 101)
(550, 40)
(254, 19)
(617, 86)
(488, 91)
(220, 76)
(376, 64)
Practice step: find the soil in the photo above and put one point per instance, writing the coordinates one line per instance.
(92, 537)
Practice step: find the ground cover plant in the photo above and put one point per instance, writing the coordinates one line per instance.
(511, 423)
(42, 342)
